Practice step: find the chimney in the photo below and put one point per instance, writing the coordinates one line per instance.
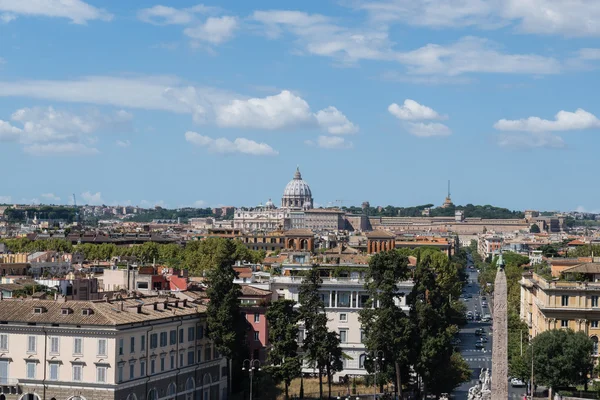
(166, 305)
(184, 303)
(122, 305)
(155, 306)
(139, 308)
(176, 303)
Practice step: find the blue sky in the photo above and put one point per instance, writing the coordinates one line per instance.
(184, 103)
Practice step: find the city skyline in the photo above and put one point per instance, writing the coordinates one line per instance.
(217, 103)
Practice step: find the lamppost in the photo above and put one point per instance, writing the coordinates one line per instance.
(376, 361)
(252, 365)
(531, 381)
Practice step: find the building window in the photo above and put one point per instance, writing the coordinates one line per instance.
(199, 332)
(153, 341)
(31, 366)
(142, 368)
(131, 370)
(142, 343)
(173, 337)
(343, 317)
(180, 360)
(564, 323)
(54, 345)
(595, 342)
(594, 301)
(132, 344)
(101, 347)
(564, 301)
(343, 336)
(172, 363)
(256, 318)
(199, 356)
(190, 357)
(121, 345)
(594, 324)
(31, 344)
(4, 342)
(120, 373)
(163, 339)
(256, 336)
(152, 366)
(162, 363)
(101, 374)
(53, 371)
(207, 353)
(191, 332)
(181, 336)
(78, 346)
(362, 336)
(361, 361)
(77, 372)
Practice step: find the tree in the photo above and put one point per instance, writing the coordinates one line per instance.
(284, 361)
(225, 322)
(534, 229)
(335, 355)
(561, 357)
(386, 327)
(312, 312)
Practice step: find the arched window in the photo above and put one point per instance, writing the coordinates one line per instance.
(153, 394)
(76, 398)
(595, 342)
(190, 385)
(30, 396)
(171, 391)
(206, 382)
(361, 361)
(131, 396)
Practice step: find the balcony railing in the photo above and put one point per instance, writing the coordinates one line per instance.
(8, 381)
(326, 280)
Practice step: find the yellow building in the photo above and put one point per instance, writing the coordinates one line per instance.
(560, 303)
(13, 258)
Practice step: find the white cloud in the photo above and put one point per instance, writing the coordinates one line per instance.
(79, 12)
(7, 17)
(93, 199)
(152, 204)
(9, 132)
(413, 111)
(55, 149)
(422, 129)
(5, 199)
(215, 30)
(570, 18)
(212, 30)
(333, 142)
(199, 204)
(51, 131)
(226, 146)
(123, 143)
(335, 122)
(51, 197)
(530, 141)
(563, 121)
(150, 93)
(474, 55)
(589, 54)
(284, 110)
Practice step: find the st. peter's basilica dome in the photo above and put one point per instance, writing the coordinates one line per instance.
(297, 193)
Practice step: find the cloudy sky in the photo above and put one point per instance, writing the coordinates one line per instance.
(184, 103)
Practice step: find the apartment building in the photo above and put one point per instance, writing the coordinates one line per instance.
(131, 349)
(561, 304)
(488, 245)
(344, 296)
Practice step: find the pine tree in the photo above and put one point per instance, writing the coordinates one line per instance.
(284, 361)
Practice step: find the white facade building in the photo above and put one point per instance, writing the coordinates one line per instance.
(127, 350)
(344, 297)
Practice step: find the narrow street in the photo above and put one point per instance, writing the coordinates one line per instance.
(476, 349)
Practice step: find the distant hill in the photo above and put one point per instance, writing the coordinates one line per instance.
(471, 211)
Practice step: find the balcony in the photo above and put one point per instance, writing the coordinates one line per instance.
(345, 281)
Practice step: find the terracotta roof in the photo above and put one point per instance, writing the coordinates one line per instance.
(576, 242)
(299, 232)
(252, 291)
(102, 313)
(243, 272)
(587, 268)
(380, 235)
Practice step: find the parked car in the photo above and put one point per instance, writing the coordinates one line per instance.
(479, 345)
(479, 331)
(515, 382)
(486, 318)
(483, 339)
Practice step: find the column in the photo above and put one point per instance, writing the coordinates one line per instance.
(330, 298)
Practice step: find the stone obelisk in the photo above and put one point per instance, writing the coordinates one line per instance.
(500, 336)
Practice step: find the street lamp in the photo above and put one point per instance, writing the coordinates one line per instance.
(379, 356)
(252, 366)
(531, 381)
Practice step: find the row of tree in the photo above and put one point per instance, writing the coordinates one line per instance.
(196, 256)
(470, 210)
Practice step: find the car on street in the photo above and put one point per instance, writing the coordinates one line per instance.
(479, 331)
(483, 298)
(515, 382)
(486, 318)
(479, 345)
(483, 339)
(477, 317)
(469, 296)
